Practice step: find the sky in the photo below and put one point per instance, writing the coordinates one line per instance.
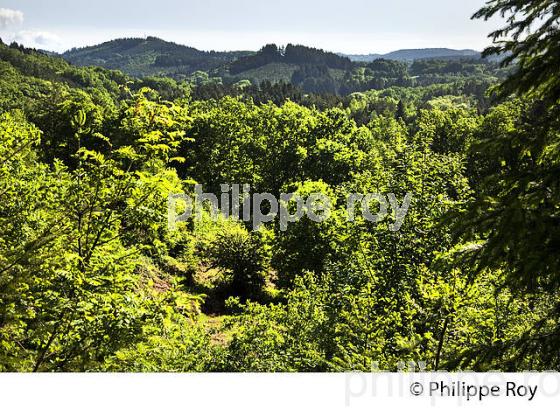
(349, 26)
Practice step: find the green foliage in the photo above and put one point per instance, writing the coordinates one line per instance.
(446, 128)
(72, 294)
(531, 40)
(242, 255)
(516, 207)
(92, 278)
(280, 338)
(511, 226)
(307, 245)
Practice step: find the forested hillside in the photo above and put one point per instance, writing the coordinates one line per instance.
(317, 71)
(93, 277)
(151, 56)
(312, 70)
(418, 54)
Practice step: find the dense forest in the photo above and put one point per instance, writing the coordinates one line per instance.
(150, 56)
(312, 70)
(93, 278)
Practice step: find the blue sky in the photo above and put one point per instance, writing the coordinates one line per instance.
(352, 26)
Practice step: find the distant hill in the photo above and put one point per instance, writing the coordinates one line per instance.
(417, 54)
(151, 56)
(310, 69)
(142, 57)
(291, 54)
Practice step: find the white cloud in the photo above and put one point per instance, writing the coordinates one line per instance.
(37, 39)
(10, 17)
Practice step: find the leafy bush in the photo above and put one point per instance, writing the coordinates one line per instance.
(244, 257)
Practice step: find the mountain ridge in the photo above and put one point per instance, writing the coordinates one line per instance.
(409, 55)
(313, 70)
(150, 56)
(134, 55)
